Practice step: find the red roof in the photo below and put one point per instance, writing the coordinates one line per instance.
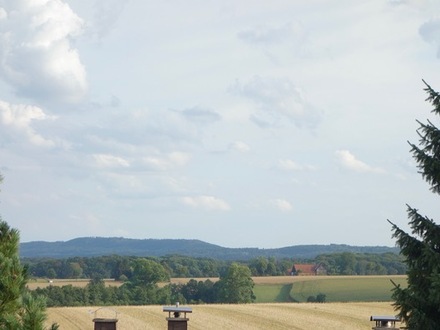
(305, 268)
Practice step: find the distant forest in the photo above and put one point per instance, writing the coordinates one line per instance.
(121, 267)
(104, 246)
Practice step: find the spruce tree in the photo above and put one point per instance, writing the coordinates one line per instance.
(418, 304)
(12, 276)
(19, 310)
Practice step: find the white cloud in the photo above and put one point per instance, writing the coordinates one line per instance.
(166, 162)
(239, 146)
(349, 161)
(206, 202)
(110, 161)
(19, 118)
(278, 99)
(36, 56)
(282, 205)
(290, 165)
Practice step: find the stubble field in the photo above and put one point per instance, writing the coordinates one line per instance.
(266, 314)
(251, 316)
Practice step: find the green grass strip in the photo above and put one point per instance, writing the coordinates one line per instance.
(342, 289)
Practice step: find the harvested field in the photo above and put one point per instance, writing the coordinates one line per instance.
(288, 279)
(81, 283)
(244, 317)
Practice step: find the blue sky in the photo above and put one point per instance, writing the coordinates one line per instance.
(240, 123)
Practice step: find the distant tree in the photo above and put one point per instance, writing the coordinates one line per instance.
(206, 291)
(148, 272)
(191, 291)
(419, 303)
(236, 286)
(272, 267)
(95, 291)
(142, 285)
(51, 273)
(347, 263)
(321, 298)
(259, 266)
(123, 278)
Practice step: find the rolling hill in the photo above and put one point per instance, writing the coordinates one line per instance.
(100, 246)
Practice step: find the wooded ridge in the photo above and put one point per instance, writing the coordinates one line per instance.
(102, 246)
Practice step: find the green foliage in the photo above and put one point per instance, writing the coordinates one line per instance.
(19, 310)
(140, 289)
(115, 266)
(319, 298)
(236, 286)
(12, 276)
(263, 266)
(121, 267)
(347, 263)
(34, 312)
(147, 272)
(419, 303)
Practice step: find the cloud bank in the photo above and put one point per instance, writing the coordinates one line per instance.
(36, 55)
(17, 119)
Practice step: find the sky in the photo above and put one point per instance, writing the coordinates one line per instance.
(239, 123)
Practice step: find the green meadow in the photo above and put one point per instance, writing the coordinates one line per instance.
(266, 293)
(336, 289)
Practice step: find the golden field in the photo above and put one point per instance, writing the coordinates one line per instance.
(81, 283)
(334, 315)
(249, 316)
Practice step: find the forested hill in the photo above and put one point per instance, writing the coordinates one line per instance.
(99, 246)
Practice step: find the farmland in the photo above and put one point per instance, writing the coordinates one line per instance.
(345, 289)
(251, 316)
(267, 313)
(336, 288)
(288, 288)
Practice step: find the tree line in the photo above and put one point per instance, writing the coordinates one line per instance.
(121, 267)
(141, 288)
(347, 263)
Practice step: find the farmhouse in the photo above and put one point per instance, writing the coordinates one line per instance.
(307, 269)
